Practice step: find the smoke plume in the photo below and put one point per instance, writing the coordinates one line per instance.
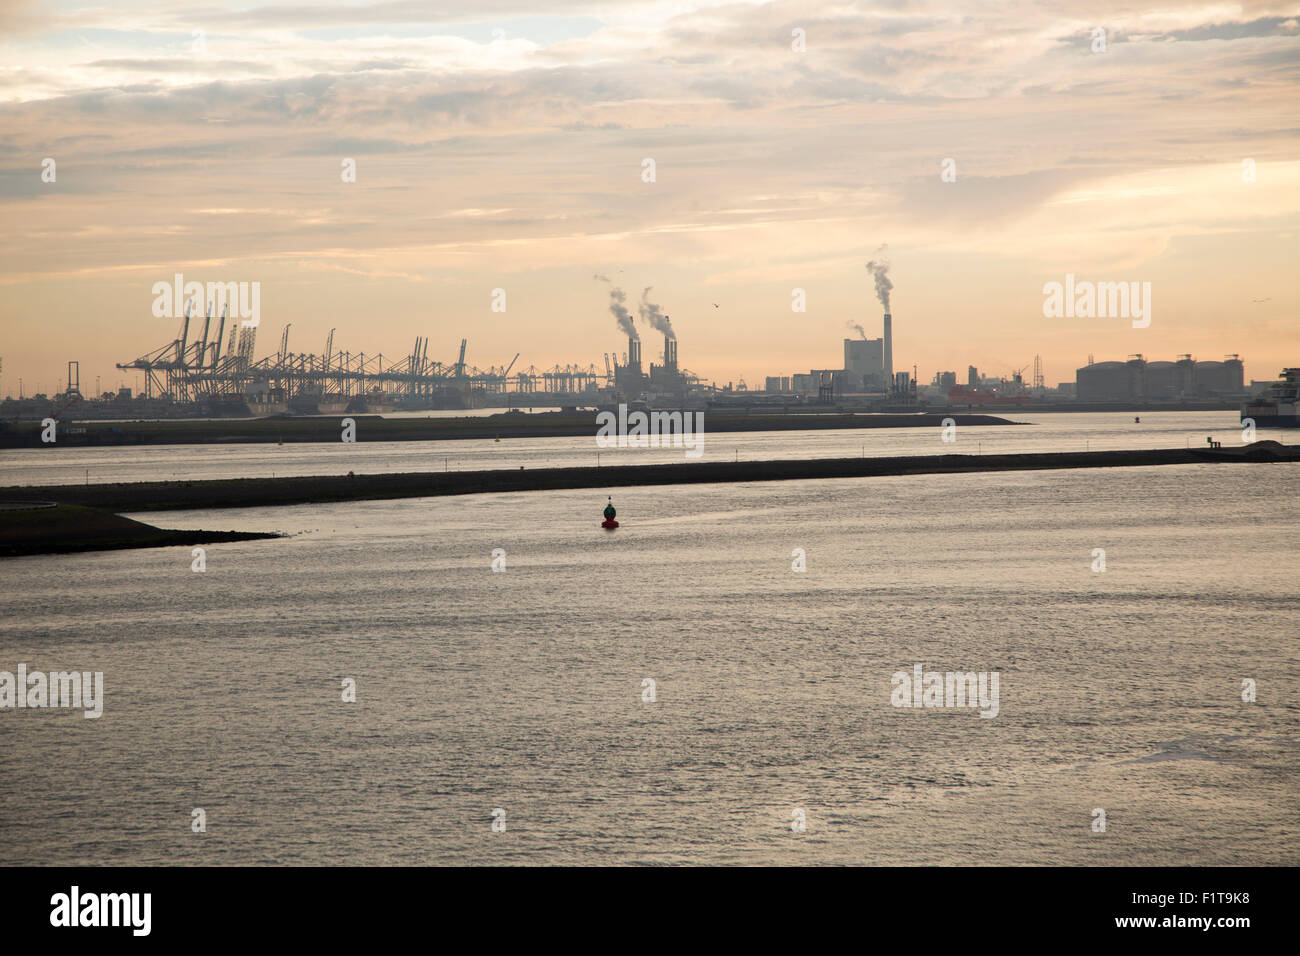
(616, 307)
(861, 331)
(654, 316)
(879, 270)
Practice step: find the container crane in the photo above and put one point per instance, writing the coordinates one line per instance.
(460, 362)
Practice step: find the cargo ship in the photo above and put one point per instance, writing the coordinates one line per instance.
(966, 395)
(314, 401)
(1279, 407)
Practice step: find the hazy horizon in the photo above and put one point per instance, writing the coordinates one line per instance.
(504, 150)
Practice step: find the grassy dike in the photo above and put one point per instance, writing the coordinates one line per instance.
(261, 492)
(66, 528)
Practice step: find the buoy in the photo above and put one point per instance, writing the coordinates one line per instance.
(1137, 420)
(609, 521)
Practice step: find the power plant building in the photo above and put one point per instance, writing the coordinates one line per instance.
(864, 363)
(629, 380)
(664, 380)
(868, 367)
(869, 363)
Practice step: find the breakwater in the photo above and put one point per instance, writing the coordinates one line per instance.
(260, 492)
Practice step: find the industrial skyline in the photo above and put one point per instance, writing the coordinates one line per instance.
(191, 366)
(194, 371)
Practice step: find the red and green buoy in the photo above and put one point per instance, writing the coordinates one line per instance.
(609, 521)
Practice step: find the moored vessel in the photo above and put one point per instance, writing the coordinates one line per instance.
(1279, 407)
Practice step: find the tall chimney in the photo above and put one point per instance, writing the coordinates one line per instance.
(888, 357)
(634, 353)
(670, 353)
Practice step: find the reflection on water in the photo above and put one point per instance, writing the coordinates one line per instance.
(523, 689)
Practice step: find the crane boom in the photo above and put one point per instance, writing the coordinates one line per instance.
(221, 330)
(185, 335)
(203, 348)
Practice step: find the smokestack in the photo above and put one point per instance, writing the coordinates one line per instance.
(670, 353)
(879, 269)
(634, 353)
(888, 357)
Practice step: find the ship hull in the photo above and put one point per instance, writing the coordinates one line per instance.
(1280, 407)
(1273, 419)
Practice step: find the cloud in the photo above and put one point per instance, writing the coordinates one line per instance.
(180, 64)
(524, 154)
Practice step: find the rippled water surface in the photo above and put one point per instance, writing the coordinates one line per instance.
(522, 690)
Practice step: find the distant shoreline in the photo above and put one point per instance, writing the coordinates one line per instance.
(375, 428)
(265, 492)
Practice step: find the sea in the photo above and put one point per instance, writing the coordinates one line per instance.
(494, 679)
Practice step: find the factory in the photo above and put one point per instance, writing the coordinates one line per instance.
(869, 363)
(868, 370)
(663, 381)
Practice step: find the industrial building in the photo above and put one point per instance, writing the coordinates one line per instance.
(864, 362)
(1139, 380)
(629, 380)
(869, 363)
(665, 381)
(868, 368)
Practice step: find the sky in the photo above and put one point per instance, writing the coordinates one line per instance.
(982, 149)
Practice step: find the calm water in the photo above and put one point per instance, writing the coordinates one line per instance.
(522, 690)
(1042, 433)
